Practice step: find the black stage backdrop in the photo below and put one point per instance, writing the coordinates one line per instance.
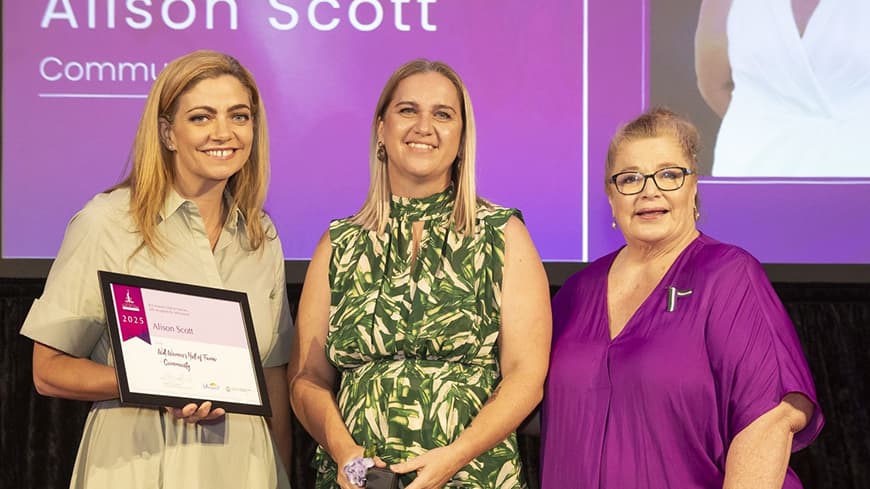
(39, 436)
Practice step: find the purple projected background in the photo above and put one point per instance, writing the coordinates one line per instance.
(522, 65)
(67, 137)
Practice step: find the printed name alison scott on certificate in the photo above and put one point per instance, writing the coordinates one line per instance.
(184, 344)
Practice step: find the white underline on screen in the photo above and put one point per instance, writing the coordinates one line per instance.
(719, 181)
(584, 218)
(93, 95)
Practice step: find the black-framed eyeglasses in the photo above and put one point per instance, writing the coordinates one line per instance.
(666, 179)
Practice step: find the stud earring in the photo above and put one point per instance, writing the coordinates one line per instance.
(697, 213)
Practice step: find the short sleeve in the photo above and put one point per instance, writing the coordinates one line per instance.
(69, 315)
(279, 354)
(492, 221)
(755, 354)
(497, 217)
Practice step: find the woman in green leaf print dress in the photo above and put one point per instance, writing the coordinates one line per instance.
(430, 306)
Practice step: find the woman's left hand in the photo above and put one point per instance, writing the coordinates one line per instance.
(434, 468)
(194, 414)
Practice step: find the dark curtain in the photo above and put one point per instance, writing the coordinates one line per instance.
(39, 436)
(833, 322)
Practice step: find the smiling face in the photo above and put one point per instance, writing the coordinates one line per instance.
(653, 218)
(211, 134)
(421, 129)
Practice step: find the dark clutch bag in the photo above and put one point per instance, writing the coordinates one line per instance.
(378, 478)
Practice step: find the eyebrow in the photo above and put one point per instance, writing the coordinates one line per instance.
(435, 107)
(212, 110)
(665, 164)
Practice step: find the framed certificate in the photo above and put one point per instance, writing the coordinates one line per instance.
(176, 343)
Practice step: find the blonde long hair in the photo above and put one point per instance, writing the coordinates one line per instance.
(152, 171)
(375, 211)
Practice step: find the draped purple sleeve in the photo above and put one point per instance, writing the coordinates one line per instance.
(563, 307)
(754, 351)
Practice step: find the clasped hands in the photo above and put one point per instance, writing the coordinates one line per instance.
(434, 469)
(192, 413)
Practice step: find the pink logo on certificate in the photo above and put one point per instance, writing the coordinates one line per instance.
(130, 310)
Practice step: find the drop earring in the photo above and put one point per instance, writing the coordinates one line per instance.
(381, 153)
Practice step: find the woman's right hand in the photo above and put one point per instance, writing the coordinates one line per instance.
(312, 376)
(347, 457)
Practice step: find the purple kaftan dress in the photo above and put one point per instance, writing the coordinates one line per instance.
(658, 406)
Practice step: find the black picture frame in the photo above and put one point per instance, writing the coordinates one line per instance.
(129, 396)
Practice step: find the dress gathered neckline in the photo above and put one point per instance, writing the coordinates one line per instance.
(423, 208)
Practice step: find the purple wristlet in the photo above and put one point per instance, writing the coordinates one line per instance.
(355, 470)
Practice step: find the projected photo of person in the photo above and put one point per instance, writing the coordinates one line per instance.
(789, 78)
(674, 364)
(430, 307)
(190, 210)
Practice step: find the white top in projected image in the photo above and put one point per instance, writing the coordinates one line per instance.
(801, 89)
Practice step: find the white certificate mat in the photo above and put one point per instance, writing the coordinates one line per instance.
(177, 343)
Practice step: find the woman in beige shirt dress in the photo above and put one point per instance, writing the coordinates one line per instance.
(191, 210)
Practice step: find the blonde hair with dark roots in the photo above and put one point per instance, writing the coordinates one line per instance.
(653, 123)
(152, 171)
(656, 122)
(375, 211)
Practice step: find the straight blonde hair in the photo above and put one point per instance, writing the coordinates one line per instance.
(375, 211)
(153, 172)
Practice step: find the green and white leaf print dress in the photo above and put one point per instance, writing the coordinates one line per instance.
(416, 346)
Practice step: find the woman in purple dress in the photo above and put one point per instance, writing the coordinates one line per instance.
(674, 364)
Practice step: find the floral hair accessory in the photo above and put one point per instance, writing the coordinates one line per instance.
(355, 470)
